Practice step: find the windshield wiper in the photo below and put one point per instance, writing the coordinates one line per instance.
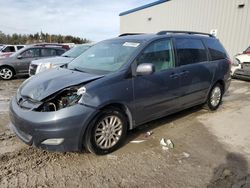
(66, 56)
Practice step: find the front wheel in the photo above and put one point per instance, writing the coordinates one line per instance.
(107, 132)
(215, 97)
(6, 73)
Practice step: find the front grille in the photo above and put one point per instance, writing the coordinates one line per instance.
(246, 65)
(27, 103)
(33, 68)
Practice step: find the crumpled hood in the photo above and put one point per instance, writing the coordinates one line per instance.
(60, 60)
(49, 82)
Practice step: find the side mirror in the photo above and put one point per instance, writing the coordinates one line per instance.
(19, 57)
(145, 69)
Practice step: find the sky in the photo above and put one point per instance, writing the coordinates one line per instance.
(92, 19)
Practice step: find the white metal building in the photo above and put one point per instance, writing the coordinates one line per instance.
(229, 20)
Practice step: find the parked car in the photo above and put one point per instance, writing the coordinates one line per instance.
(41, 65)
(241, 65)
(117, 85)
(18, 63)
(7, 50)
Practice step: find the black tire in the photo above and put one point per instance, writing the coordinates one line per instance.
(6, 73)
(90, 137)
(211, 104)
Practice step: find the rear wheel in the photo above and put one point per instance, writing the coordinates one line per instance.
(215, 97)
(6, 73)
(107, 132)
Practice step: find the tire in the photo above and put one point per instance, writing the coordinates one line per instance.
(215, 97)
(6, 73)
(106, 132)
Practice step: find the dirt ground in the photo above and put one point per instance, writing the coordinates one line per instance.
(210, 150)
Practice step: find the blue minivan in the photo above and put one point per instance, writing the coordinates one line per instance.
(119, 84)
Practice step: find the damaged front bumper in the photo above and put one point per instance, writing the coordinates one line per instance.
(60, 130)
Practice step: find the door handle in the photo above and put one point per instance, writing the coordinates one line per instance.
(174, 76)
(184, 73)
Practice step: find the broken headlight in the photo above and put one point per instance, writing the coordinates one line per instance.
(65, 98)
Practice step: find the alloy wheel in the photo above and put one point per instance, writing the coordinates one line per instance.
(108, 132)
(215, 96)
(6, 73)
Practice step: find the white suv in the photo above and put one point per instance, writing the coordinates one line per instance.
(7, 50)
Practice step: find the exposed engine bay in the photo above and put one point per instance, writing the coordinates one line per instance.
(60, 100)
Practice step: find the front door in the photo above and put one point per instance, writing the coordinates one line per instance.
(157, 94)
(25, 59)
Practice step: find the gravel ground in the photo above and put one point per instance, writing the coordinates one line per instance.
(210, 150)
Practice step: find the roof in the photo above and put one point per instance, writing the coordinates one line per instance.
(143, 7)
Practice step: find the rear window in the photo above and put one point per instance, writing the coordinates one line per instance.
(215, 49)
(190, 51)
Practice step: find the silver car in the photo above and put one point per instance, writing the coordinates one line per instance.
(41, 65)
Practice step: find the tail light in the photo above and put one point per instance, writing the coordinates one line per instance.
(246, 52)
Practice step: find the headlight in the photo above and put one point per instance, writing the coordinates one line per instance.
(65, 98)
(236, 62)
(43, 67)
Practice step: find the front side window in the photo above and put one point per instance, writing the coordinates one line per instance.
(190, 51)
(160, 54)
(105, 57)
(9, 49)
(31, 53)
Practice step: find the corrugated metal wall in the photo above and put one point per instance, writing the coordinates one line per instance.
(232, 23)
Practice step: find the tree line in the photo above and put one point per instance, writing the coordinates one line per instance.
(38, 38)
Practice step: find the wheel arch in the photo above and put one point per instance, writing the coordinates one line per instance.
(123, 108)
(222, 83)
(10, 67)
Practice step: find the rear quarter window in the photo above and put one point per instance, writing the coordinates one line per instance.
(215, 49)
(190, 51)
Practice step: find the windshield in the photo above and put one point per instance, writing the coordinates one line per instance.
(1, 46)
(104, 57)
(76, 51)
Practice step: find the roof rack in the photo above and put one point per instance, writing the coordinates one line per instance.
(57, 45)
(126, 34)
(184, 32)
